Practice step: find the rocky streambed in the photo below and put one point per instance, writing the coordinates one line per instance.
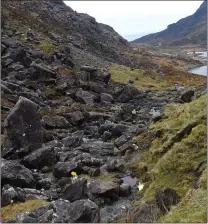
(57, 121)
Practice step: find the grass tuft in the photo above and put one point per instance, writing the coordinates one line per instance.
(10, 212)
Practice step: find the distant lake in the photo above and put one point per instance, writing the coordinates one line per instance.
(202, 54)
(202, 70)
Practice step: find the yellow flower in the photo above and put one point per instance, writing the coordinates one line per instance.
(74, 174)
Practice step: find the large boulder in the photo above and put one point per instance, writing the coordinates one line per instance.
(16, 194)
(128, 135)
(75, 190)
(92, 73)
(105, 189)
(98, 148)
(85, 97)
(64, 169)
(105, 77)
(62, 211)
(45, 156)
(93, 86)
(42, 72)
(15, 174)
(105, 97)
(125, 93)
(76, 116)
(22, 128)
(81, 211)
(9, 194)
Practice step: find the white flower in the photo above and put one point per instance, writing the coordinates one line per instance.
(23, 134)
(133, 111)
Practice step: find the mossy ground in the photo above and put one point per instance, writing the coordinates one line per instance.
(176, 159)
(192, 209)
(9, 212)
(47, 47)
(193, 206)
(151, 80)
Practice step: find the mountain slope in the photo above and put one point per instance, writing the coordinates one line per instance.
(60, 25)
(189, 30)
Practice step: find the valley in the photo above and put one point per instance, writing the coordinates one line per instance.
(96, 129)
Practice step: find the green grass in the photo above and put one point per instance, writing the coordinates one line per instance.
(151, 80)
(9, 212)
(47, 47)
(123, 74)
(176, 155)
(192, 209)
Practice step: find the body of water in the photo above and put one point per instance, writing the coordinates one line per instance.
(202, 54)
(202, 70)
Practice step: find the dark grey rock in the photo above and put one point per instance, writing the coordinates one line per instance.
(47, 122)
(128, 135)
(75, 190)
(187, 96)
(81, 211)
(125, 93)
(76, 116)
(45, 156)
(98, 148)
(64, 169)
(124, 190)
(105, 97)
(88, 68)
(105, 77)
(85, 97)
(22, 128)
(93, 86)
(15, 174)
(43, 72)
(103, 189)
(10, 195)
(107, 135)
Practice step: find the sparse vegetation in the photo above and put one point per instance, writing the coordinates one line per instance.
(47, 47)
(9, 212)
(150, 80)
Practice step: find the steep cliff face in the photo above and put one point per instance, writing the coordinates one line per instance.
(58, 23)
(189, 30)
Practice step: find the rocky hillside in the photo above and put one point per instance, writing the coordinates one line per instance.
(50, 25)
(189, 30)
(78, 140)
